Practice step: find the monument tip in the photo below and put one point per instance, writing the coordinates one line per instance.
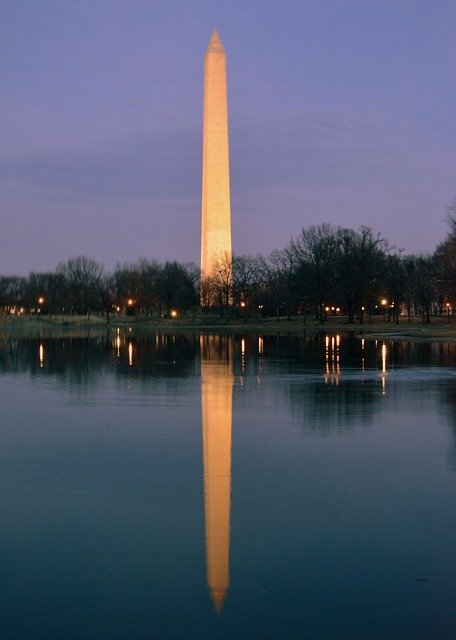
(215, 44)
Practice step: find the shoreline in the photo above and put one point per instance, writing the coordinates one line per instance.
(439, 330)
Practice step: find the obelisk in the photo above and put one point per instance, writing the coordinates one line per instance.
(216, 216)
(216, 405)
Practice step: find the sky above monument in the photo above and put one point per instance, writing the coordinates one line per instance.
(341, 111)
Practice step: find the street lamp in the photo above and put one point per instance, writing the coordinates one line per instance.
(383, 302)
(130, 303)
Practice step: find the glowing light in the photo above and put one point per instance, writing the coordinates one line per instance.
(332, 308)
(337, 309)
(173, 313)
(260, 345)
(40, 300)
(130, 354)
(384, 301)
(118, 345)
(242, 304)
(337, 339)
(117, 309)
(326, 308)
(384, 358)
(130, 302)
(41, 355)
(243, 346)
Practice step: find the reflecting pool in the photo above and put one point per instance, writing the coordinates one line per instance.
(227, 486)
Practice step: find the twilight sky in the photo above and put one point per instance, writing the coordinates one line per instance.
(341, 111)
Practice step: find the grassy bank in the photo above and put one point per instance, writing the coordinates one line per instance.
(438, 330)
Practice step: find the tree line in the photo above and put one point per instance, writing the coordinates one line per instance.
(324, 270)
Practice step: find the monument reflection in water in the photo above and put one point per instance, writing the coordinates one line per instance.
(216, 408)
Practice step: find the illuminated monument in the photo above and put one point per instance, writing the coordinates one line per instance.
(216, 406)
(216, 217)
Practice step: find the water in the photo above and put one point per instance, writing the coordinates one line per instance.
(159, 486)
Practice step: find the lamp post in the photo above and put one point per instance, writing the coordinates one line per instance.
(383, 302)
(448, 308)
(40, 303)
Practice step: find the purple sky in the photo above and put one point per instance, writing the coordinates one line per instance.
(340, 111)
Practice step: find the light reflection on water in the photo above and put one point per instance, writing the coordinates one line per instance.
(171, 486)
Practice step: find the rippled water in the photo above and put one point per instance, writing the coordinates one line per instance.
(160, 486)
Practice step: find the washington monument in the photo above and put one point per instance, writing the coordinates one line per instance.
(216, 217)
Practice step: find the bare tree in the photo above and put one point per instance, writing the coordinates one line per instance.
(425, 284)
(360, 267)
(451, 218)
(83, 282)
(220, 282)
(245, 273)
(315, 251)
(277, 271)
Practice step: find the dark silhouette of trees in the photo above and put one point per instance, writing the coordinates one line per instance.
(395, 284)
(360, 267)
(315, 254)
(176, 287)
(276, 273)
(323, 267)
(245, 276)
(425, 284)
(11, 290)
(134, 286)
(217, 289)
(445, 257)
(82, 280)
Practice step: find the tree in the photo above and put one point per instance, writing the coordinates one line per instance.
(175, 287)
(82, 279)
(135, 285)
(425, 284)
(217, 288)
(451, 219)
(50, 287)
(277, 271)
(315, 250)
(11, 290)
(445, 261)
(360, 267)
(245, 272)
(395, 284)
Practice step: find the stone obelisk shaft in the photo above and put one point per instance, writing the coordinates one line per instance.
(216, 217)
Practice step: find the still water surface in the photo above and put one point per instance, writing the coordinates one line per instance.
(242, 487)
